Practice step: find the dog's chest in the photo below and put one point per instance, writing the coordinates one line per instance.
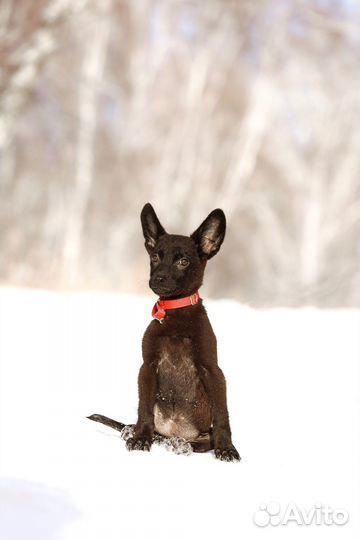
(176, 370)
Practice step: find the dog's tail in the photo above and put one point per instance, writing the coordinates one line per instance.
(107, 421)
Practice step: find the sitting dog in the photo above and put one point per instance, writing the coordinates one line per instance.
(182, 390)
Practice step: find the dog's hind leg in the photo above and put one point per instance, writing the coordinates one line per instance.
(203, 443)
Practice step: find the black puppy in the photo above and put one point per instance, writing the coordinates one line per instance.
(182, 390)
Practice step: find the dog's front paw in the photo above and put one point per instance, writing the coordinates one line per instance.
(139, 443)
(227, 454)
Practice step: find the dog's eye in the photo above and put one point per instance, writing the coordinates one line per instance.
(155, 257)
(183, 262)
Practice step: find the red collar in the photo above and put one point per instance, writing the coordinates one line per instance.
(162, 306)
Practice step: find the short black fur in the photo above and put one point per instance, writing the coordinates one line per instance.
(182, 390)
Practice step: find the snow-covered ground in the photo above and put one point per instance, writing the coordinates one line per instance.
(293, 393)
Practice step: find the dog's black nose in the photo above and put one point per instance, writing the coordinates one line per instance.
(160, 279)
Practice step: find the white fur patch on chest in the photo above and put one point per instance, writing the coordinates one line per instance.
(164, 359)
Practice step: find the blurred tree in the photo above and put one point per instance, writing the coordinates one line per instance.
(251, 106)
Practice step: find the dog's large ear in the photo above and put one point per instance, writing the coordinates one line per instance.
(211, 233)
(151, 226)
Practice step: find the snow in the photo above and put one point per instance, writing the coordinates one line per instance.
(293, 397)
